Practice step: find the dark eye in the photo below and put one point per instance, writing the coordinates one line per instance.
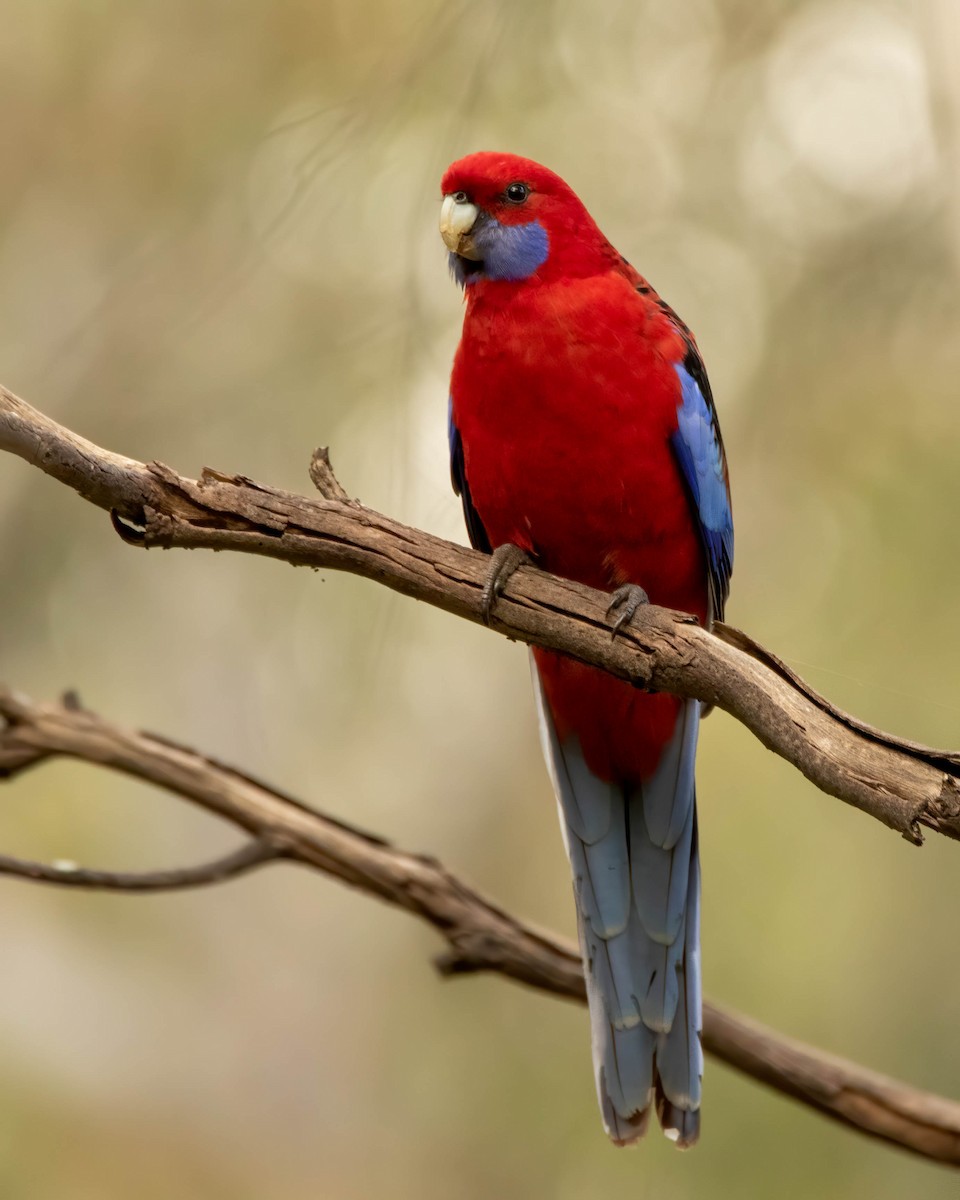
(516, 193)
(460, 198)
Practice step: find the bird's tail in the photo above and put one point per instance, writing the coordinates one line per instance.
(636, 871)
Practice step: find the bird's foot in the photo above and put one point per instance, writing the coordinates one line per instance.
(503, 562)
(627, 600)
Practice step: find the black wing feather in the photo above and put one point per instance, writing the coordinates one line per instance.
(458, 476)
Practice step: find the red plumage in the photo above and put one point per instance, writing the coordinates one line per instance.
(583, 431)
(565, 394)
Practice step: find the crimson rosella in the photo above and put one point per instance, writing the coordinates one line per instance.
(583, 437)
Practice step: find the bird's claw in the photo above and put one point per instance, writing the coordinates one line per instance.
(627, 599)
(504, 561)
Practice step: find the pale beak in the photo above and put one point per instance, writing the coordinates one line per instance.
(457, 218)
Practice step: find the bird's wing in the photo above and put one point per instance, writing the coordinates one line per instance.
(698, 448)
(458, 475)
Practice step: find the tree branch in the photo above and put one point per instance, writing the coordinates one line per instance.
(479, 935)
(64, 873)
(901, 783)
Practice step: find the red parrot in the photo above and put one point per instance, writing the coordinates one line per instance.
(583, 437)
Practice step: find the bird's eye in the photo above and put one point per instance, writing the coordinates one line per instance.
(461, 198)
(516, 193)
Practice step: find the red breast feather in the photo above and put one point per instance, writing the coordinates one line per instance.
(565, 395)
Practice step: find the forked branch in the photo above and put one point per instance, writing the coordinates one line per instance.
(905, 785)
(479, 935)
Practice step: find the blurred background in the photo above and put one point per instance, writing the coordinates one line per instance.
(219, 247)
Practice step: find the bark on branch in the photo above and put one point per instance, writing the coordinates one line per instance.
(479, 935)
(905, 785)
(65, 873)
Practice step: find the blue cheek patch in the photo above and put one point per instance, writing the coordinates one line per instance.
(510, 253)
(513, 252)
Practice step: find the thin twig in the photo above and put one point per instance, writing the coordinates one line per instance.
(64, 873)
(905, 785)
(324, 480)
(479, 935)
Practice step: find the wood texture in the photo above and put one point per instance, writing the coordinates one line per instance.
(479, 935)
(905, 785)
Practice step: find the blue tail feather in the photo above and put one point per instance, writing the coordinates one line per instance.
(633, 852)
(602, 874)
(659, 875)
(667, 800)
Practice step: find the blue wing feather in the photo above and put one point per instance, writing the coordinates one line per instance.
(458, 476)
(699, 451)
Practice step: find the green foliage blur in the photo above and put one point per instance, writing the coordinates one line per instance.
(219, 247)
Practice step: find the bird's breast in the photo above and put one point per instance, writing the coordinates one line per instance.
(566, 400)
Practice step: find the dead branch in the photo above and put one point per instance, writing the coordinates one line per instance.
(479, 935)
(65, 873)
(905, 785)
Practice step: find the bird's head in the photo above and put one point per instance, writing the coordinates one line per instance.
(506, 218)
